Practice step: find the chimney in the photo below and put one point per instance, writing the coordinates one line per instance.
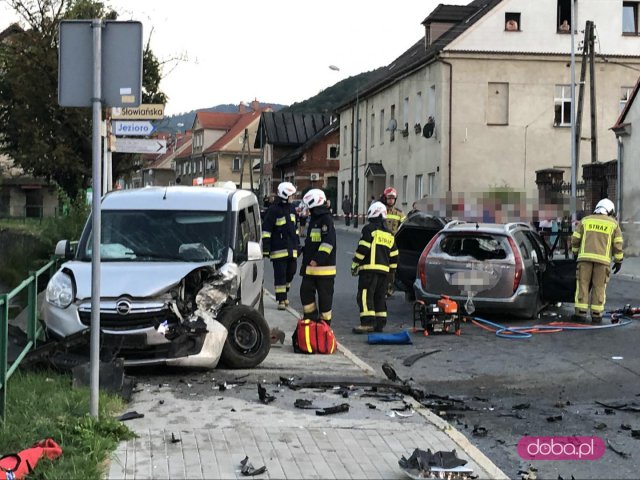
(242, 108)
(255, 105)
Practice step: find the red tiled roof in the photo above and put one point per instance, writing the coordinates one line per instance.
(243, 121)
(216, 120)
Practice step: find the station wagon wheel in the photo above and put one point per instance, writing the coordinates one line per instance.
(248, 339)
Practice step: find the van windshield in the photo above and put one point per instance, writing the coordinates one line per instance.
(158, 236)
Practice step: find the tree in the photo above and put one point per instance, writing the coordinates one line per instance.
(43, 138)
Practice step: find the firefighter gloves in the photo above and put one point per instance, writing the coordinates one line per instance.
(616, 267)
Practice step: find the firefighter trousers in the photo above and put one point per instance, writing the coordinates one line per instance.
(284, 269)
(372, 291)
(591, 278)
(322, 285)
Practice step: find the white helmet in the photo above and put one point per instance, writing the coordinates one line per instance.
(377, 209)
(285, 190)
(314, 198)
(605, 207)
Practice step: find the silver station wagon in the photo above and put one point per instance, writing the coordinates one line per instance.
(503, 269)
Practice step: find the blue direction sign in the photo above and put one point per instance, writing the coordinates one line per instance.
(136, 128)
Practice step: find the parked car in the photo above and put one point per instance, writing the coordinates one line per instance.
(181, 278)
(505, 269)
(413, 235)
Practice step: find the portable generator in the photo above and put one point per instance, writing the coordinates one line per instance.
(442, 317)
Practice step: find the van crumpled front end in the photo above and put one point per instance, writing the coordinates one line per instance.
(178, 325)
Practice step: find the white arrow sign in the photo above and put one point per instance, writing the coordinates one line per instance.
(142, 145)
(137, 129)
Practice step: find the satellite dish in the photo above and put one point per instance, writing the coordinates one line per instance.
(429, 128)
(393, 125)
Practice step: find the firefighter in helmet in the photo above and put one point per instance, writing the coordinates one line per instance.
(318, 269)
(280, 241)
(596, 240)
(394, 218)
(375, 257)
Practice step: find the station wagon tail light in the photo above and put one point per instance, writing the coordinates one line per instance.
(423, 260)
(519, 265)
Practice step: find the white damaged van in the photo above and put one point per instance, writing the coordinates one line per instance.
(181, 278)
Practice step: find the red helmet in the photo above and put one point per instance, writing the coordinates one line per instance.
(390, 192)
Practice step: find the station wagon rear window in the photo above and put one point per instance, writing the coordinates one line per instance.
(479, 246)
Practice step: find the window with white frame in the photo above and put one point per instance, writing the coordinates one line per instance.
(625, 93)
(562, 108)
(418, 108)
(405, 113)
(372, 130)
(382, 126)
(236, 164)
(630, 18)
(419, 187)
(405, 181)
(431, 102)
(392, 132)
(431, 188)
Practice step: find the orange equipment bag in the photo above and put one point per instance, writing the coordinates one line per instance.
(16, 466)
(313, 337)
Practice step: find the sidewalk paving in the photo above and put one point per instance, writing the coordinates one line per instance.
(216, 430)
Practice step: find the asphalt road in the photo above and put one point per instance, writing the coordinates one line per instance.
(557, 376)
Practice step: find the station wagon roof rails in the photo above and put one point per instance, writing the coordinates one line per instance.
(512, 225)
(453, 223)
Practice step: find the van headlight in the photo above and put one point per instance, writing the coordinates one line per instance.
(60, 290)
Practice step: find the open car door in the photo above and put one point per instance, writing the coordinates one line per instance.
(559, 281)
(557, 276)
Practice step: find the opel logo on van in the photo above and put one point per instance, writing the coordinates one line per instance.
(123, 307)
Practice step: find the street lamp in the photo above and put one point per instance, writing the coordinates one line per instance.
(355, 144)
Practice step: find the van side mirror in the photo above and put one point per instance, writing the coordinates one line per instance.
(63, 249)
(254, 251)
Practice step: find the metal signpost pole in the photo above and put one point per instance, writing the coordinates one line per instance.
(357, 147)
(94, 354)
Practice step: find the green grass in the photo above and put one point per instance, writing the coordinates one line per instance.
(44, 405)
(24, 225)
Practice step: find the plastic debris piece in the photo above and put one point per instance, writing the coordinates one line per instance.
(175, 439)
(264, 396)
(130, 416)
(248, 470)
(343, 407)
(479, 431)
(411, 359)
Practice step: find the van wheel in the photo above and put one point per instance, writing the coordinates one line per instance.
(248, 341)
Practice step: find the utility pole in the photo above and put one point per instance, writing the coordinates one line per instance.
(588, 56)
(574, 159)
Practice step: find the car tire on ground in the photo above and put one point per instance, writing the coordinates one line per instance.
(248, 341)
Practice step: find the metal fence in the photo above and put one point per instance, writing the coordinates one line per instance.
(34, 329)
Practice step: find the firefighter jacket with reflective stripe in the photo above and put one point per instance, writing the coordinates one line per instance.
(394, 218)
(320, 244)
(377, 250)
(597, 239)
(280, 231)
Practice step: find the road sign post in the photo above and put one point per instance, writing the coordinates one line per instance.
(98, 62)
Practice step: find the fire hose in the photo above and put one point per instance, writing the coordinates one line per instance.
(619, 318)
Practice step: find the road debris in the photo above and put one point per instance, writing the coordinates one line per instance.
(248, 470)
(411, 359)
(521, 406)
(277, 335)
(616, 450)
(479, 431)
(130, 416)
(529, 474)
(343, 407)
(264, 396)
(441, 464)
(629, 407)
(554, 418)
(175, 439)
(304, 404)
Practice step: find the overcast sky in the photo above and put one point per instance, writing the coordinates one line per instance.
(276, 51)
